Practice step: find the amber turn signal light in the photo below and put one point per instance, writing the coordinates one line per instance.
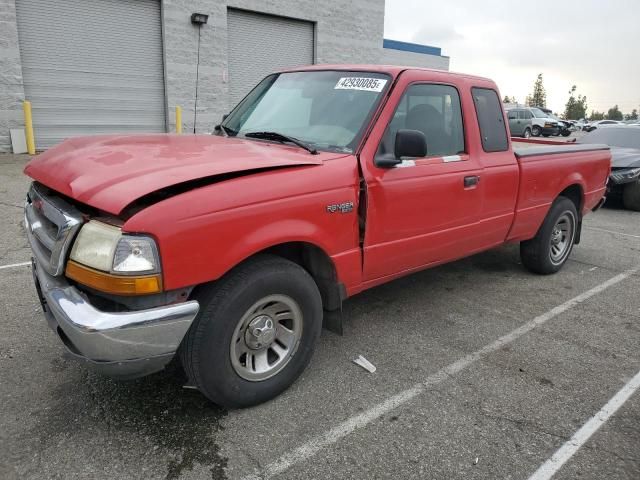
(115, 284)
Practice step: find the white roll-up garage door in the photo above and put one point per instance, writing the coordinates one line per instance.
(259, 44)
(92, 67)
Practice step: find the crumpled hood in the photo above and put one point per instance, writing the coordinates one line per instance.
(110, 172)
(625, 157)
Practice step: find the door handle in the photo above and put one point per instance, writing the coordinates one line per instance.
(471, 181)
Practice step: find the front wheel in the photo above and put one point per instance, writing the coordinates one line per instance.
(631, 196)
(565, 133)
(255, 333)
(549, 250)
(536, 131)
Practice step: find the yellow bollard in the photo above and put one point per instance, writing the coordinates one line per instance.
(178, 120)
(28, 128)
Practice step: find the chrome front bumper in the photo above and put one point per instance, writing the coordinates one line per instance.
(125, 345)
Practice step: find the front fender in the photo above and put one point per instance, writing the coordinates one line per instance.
(204, 233)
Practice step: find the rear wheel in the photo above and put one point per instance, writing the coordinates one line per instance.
(631, 196)
(527, 133)
(536, 131)
(565, 133)
(255, 333)
(549, 250)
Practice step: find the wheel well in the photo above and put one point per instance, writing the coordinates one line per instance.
(319, 265)
(575, 194)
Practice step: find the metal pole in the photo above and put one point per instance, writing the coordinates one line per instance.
(28, 128)
(178, 119)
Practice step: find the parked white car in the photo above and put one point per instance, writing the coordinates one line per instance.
(593, 125)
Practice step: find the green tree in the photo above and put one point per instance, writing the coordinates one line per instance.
(576, 107)
(508, 99)
(538, 97)
(632, 116)
(596, 116)
(614, 113)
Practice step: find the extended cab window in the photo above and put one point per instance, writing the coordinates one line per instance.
(435, 111)
(492, 129)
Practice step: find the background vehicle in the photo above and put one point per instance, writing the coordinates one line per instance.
(624, 182)
(542, 123)
(593, 125)
(231, 250)
(520, 122)
(580, 124)
(565, 127)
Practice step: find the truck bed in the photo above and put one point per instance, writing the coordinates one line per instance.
(527, 149)
(547, 169)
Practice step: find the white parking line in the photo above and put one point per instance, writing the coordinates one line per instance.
(323, 440)
(613, 232)
(564, 453)
(13, 265)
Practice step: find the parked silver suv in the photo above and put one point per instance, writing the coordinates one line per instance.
(520, 122)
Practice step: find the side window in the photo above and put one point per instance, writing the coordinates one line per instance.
(512, 114)
(522, 115)
(492, 129)
(528, 115)
(435, 111)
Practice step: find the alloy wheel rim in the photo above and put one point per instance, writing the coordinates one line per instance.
(266, 337)
(562, 236)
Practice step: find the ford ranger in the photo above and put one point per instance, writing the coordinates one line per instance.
(229, 251)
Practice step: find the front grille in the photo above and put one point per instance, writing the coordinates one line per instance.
(51, 225)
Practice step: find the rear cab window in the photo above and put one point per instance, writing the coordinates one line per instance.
(493, 132)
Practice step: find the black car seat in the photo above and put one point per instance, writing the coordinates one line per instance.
(428, 120)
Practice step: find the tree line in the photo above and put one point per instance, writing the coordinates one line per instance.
(576, 107)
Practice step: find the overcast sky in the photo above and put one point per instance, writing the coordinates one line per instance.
(592, 44)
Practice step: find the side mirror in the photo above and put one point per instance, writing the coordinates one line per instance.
(217, 128)
(410, 143)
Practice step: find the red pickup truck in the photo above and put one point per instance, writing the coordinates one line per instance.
(228, 250)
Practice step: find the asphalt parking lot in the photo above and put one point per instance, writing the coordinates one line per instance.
(483, 371)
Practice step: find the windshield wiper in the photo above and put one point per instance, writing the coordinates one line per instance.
(279, 137)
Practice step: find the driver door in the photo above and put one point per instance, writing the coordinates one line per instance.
(422, 211)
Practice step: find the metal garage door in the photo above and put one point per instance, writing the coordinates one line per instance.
(91, 66)
(260, 44)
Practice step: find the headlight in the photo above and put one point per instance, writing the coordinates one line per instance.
(135, 254)
(625, 175)
(105, 247)
(108, 260)
(95, 245)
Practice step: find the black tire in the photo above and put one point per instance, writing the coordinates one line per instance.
(565, 133)
(205, 351)
(536, 131)
(631, 196)
(537, 254)
(527, 133)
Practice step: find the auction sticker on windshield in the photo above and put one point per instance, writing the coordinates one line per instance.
(361, 83)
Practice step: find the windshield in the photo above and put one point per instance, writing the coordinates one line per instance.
(326, 109)
(624, 137)
(538, 113)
